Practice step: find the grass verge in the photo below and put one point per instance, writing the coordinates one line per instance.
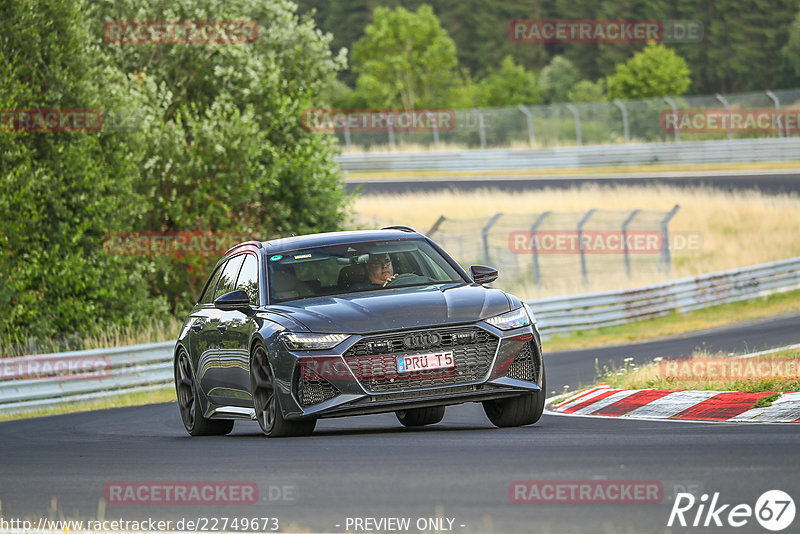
(710, 372)
(112, 336)
(140, 398)
(678, 323)
(733, 229)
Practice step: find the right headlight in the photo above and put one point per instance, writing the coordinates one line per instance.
(304, 341)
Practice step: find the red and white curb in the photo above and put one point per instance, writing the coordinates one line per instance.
(731, 406)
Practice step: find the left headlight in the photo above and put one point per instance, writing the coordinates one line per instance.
(530, 312)
(302, 341)
(513, 319)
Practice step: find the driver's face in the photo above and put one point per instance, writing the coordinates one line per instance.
(380, 269)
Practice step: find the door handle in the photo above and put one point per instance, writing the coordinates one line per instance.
(222, 327)
(197, 326)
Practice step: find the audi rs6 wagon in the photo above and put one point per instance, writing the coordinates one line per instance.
(348, 323)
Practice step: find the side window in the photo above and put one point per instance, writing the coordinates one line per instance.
(227, 281)
(208, 294)
(248, 278)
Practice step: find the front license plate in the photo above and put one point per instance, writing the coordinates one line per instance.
(424, 362)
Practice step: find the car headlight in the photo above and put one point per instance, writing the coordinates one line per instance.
(509, 320)
(530, 312)
(295, 341)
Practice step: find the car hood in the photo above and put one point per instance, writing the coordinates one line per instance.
(393, 309)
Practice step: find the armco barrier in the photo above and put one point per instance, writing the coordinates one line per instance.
(608, 308)
(132, 368)
(697, 152)
(147, 367)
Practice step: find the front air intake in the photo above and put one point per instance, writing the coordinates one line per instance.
(524, 366)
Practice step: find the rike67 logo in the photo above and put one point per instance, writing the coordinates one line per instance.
(774, 510)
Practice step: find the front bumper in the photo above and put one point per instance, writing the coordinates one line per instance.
(334, 383)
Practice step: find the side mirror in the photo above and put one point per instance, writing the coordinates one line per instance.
(482, 274)
(235, 300)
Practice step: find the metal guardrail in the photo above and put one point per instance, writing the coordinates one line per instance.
(697, 152)
(111, 372)
(148, 367)
(609, 308)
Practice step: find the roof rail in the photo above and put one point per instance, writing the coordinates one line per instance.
(399, 227)
(246, 243)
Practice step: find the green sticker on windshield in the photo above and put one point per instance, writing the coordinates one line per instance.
(276, 257)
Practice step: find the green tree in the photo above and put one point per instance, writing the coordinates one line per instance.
(509, 85)
(791, 50)
(655, 71)
(226, 150)
(61, 192)
(558, 78)
(587, 91)
(405, 59)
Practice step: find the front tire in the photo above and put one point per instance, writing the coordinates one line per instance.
(517, 411)
(189, 402)
(420, 416)
(265, 402)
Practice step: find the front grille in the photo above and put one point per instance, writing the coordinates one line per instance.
(524, 366)
(313, 390)
(473, 352)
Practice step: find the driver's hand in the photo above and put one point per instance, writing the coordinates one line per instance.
(390, 279)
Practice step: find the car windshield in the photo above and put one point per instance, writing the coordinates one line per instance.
(354, 267)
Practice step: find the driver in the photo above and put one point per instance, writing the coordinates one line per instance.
(379, 271)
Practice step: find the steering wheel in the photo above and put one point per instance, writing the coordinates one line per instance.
(401, 276)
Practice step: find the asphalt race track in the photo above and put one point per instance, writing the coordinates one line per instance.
(772, 182)
(371, 467)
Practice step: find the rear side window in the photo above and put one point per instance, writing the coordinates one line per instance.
(208, 293)
(248, 279)
(227, 280)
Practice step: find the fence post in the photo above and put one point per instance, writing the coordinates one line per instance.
(535, 250)
(436, 225)
(671, 103)
(624, 111)
(665, 258)
(347, 141)
(578, 135)
(777, 102)
(727, 112)
(435, 127)
(481, 128)
(485, 233)
(529, 118)
(625, 224)
(390, 129)
(580, 243)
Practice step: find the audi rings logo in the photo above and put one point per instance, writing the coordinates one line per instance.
(421, 341)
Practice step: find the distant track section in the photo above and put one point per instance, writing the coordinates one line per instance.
(772, 182)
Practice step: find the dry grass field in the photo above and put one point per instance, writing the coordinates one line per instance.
(737, 228)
